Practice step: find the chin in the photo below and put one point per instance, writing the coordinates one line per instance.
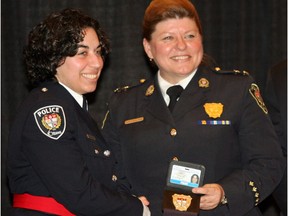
(184, 74)
(90, 90)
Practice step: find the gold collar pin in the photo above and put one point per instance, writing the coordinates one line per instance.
(203, 83)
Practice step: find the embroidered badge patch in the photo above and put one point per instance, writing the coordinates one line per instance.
(255, 92)
(51, 121)
(214, 110)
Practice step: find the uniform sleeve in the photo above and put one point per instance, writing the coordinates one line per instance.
(60, 164)
(261, 156)
(276, 101)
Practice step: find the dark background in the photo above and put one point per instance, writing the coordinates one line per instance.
(247, 35)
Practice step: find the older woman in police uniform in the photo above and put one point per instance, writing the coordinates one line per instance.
(219, 121)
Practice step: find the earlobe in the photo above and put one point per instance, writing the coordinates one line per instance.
(147, 48)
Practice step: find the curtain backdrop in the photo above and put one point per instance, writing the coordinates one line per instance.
(247, 35)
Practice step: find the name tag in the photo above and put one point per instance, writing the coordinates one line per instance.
(134, 120)
(91, 137)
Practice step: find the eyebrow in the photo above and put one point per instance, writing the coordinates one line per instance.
(87, 47)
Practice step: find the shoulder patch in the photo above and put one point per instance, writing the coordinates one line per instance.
(237, 72)
(255, 92)
(51, 121)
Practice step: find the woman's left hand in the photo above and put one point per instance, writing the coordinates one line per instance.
(212, 195)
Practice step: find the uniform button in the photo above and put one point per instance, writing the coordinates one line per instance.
(96, 151)
(107, 153)
(114, 178)
(175, 159)
(173, 132)
(44, 89)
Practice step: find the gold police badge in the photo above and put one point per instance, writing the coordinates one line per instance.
(214, 110)
(181, 201)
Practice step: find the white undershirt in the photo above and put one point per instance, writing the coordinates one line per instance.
(164, 85)
(76, 96)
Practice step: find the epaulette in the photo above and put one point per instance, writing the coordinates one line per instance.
(238, 72)
(125, 88)
(121, 89)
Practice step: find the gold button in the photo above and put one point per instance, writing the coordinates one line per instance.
(257, 201)
(175, 159)
(114, 178)
(173, 132)
(217, 68)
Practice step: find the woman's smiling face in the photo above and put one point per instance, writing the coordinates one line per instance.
(82, 71)
(176, 47)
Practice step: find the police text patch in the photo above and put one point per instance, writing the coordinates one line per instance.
(51, 121)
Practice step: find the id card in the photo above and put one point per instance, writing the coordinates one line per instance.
(184, 175)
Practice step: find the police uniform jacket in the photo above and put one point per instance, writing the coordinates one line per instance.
(234, 138)
(56, 150)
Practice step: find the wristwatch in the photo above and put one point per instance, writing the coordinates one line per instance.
(224, 200)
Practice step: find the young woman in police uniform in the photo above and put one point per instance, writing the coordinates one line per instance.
(58, 162)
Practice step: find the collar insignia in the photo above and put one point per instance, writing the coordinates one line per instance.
(203, 83)
(150, 90)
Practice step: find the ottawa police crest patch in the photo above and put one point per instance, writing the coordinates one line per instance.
(51, 121)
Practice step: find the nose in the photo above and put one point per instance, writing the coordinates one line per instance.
(181, 44)
(96, 61)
